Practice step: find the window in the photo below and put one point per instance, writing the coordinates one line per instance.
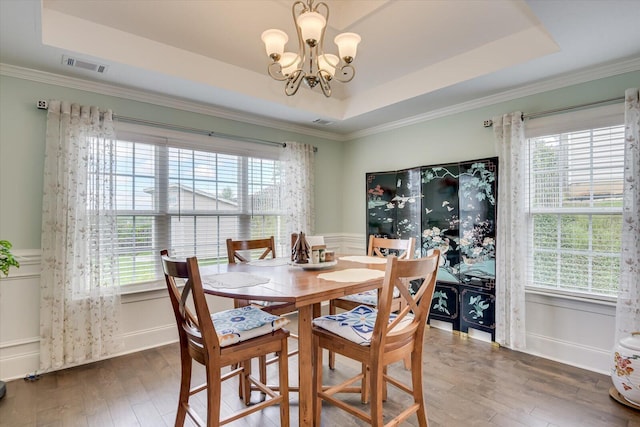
(190, 194)
(575, 184)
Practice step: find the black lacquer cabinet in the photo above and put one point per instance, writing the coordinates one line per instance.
(451, 207)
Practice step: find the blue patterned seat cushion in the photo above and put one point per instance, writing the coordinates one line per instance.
(368, 297)
(241, 324)
(356, 325)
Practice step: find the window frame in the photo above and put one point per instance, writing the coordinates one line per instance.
(167, 139)
(569, 122)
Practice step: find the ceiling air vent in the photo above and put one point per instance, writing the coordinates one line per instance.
(85, 65)
(322, 122)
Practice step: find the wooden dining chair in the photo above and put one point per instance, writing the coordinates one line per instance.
(265, 247)
(228, 338)
(378, 246)
(377, 337)
(268, 245)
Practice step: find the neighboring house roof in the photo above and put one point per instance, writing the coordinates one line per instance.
(201, 193)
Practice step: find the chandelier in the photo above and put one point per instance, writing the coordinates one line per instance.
(310, 64)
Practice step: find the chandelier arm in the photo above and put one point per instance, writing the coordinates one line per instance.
(295, 21)
(323, 78)
(293, 82)
(301, 43)
(345, 74)
(320, 50)
(275, 71)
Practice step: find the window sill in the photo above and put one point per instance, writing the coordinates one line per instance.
(143, 292)
(573, 296)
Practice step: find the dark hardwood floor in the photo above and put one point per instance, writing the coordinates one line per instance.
(467, 383)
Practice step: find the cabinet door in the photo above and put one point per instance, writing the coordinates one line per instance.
(445, 304)
(381, 212)
(478, 308)
(476, 243)
(393, 204)
(407, 204)
(440, 217)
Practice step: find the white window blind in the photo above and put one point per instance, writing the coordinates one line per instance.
(575, 183)
(189, 194)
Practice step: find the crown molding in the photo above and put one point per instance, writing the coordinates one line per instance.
(565, 80)
(157, 99)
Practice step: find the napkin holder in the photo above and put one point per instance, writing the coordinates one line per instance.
(300, 249)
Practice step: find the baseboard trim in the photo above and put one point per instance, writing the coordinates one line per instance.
(19, 357)
(23, 356)
(569, 353)
(149, 338)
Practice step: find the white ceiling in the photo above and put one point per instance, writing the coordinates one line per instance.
(415, 56)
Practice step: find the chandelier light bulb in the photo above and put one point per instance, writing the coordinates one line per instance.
(328, 63)
(274, 41)
(311, 26)
(347, 45)
(289, 62)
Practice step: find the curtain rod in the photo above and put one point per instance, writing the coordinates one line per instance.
(43, 105)
(489, 123)
(194, 130)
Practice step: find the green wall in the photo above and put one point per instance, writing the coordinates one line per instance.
(22, 134)
(451, 138)
(340, 166)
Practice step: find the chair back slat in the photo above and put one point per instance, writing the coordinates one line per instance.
(379, 246)
(196, 331)
(173, 270)
(389, 335)
(207, 331)
(233, 246)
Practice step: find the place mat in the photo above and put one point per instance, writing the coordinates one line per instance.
(233, 280)
(365, 259)
(352, 275)
(270, 262)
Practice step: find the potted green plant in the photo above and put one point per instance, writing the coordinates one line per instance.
(7, 260)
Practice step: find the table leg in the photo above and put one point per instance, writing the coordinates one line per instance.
(305, 365)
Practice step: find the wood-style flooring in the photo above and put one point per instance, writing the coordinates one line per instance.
(467, 383)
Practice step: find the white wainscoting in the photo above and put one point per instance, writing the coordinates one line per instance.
(575, 332)
(20, 317)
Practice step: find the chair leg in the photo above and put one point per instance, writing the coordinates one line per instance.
(418, 393)
(185, 386)
(385, 386)
(244, 381)
(332, 355)
(213, 396)
(317, 381)
(364, 388)
(283, 369)
(240, 382)
(262, 370)
(377, 392)
(407, 363)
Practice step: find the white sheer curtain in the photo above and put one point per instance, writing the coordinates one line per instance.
(298, 187)
(79, 303)
(628, 308)
(511, 233)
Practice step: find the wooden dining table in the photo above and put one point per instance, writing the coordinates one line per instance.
(303, 288)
